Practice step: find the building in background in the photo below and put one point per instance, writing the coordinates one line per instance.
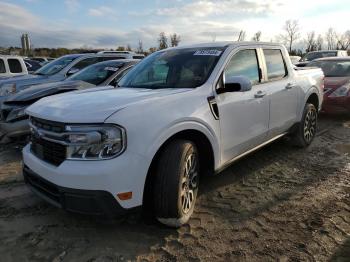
(26, 45)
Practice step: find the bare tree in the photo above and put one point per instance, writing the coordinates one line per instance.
(331, 39)
(175, 39)
(163, 41)
(120, 48)
(311, 44)
(292, 33)
(319, 42)
(128, 47)
(152, 50)
(347, 36)
(140, 47)
(343, 40)
(241, 36)
(257, 36)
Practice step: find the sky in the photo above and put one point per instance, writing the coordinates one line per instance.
(112, 23)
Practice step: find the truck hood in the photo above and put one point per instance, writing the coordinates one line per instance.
(3, 77)
(94, 105)
(36, 92)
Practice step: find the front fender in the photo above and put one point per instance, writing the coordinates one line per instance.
(188, 124)
(310, 91)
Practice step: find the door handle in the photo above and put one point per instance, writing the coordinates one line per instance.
(290, 86)
(260, 94)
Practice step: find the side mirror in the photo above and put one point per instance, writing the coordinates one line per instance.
(236, 84)
(72, 71)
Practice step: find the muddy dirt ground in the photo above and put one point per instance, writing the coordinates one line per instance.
(279, 204)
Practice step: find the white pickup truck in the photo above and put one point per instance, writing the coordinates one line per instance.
(179, 114)
(12, 66)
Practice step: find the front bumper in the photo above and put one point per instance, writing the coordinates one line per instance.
(15, 129)
(125, 173)
(90, 202)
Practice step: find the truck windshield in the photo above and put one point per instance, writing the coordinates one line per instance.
(97, 74)
(333, 68)
(174, 68)
(55, 66)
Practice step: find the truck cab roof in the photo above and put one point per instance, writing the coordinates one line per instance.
(226, 44)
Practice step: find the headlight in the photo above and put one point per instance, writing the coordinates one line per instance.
(341, 91)
(95, 142)
(16, 113)
(8, 89)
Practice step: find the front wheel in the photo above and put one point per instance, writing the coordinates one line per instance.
(176, 183)
(306, 130)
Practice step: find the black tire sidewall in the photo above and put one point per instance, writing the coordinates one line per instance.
(168, 185)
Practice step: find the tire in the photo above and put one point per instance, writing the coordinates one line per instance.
(176, 183)
(306, 129)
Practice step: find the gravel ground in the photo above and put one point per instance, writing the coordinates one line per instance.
(279, 204)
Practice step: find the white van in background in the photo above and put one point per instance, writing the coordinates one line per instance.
(12, 66)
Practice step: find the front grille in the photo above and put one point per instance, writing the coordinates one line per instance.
(48, 125)
(48, 151)
(51, 152)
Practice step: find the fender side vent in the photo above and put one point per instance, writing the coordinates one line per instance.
(213, 107)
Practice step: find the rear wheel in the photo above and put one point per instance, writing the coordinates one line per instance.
(176, 184)
(306, 130)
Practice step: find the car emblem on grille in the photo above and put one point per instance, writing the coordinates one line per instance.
(37, 134)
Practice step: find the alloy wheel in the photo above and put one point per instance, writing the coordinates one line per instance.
(189, 183)
(310, 125)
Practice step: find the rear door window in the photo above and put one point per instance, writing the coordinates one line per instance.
(2, 66)
(85, 62)
(14, 65)
(275, 65)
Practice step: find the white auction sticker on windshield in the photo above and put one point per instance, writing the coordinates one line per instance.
(208, 52)
(109, 68)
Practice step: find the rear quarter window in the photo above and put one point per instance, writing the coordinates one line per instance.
(15, 66)
(275, 65)
(2, 66)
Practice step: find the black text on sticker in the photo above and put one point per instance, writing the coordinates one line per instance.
(208, 52)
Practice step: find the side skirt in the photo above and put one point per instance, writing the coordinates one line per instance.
(228, 163)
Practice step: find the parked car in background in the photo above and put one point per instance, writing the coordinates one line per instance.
(12, 66)
(295, 59)
(32, 65)
(13, 120)
(336, 85)
(320, 54)
(57, 70)
(42, 60)
(180, 113)
(132, 54)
